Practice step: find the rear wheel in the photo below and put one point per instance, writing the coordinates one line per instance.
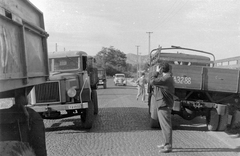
(212, 120)
(87, 116)
(223, 120)
(95, 101)
(105, 85)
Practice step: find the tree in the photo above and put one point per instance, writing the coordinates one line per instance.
(113, 60)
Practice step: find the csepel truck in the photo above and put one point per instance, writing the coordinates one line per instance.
(71, 89)
(23, 64)
(102, 78)
(200, 88)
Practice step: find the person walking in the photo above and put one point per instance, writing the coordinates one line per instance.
(163, 85)
(141, 86)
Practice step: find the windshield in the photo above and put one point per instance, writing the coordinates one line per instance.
(120, 76)
(67, 63)
(100, 73)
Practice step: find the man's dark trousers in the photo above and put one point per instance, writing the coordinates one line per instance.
(165, 120)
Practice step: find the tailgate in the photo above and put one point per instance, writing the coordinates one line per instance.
(187, 77)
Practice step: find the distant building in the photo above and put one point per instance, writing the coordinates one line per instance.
(232, 62)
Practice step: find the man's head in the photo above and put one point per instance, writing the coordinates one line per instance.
(164, 67)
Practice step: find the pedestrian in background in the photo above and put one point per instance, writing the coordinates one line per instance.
(141, 86)
(163, 84)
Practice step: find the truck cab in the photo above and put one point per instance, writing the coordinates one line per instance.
(69, 91)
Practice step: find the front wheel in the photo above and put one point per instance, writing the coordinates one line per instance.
(87, 116)
(95, 101)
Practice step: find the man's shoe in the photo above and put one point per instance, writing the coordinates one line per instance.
(161, 146)
(165, 149)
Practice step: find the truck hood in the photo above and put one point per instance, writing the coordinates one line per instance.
(60, 76)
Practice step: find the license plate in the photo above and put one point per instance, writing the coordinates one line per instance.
(63, 112)
(74, 107)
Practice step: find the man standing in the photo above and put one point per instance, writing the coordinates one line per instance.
(141, 86)
(163, 84)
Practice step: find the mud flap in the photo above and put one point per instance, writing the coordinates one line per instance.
(213, 120)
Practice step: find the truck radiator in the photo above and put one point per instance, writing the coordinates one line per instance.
(47, 92)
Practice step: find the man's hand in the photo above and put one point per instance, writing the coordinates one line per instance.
(155, 74)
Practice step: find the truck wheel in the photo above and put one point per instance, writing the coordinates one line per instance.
(37, 133)
(95, 101)
(149, 103)
(223, 120)
(154, 123)
(87, 116)
(212, 124)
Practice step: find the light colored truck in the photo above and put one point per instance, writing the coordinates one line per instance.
(71, 89)
(201, 89)
(23, 64)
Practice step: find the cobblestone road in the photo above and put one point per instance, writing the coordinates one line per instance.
(122, 129)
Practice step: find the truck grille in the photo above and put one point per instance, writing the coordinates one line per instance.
(47, 92)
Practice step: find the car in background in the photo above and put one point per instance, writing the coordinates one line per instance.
(120, 79)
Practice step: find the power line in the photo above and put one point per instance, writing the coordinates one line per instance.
(173, 13)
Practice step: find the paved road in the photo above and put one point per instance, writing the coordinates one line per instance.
(122, 129)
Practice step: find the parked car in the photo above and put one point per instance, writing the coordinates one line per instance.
(119, 79)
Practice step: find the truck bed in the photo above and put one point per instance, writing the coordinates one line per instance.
(23, 52)
(206, 78)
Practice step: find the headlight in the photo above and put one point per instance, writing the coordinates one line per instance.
(71, 92)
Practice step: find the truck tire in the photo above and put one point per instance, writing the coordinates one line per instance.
(149, 103)
(105, 85)
(37, 133)
(95, 101)
(154, 123)
(87, 116)
(212, 124)
(223, 121)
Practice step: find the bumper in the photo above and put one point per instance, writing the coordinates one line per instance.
(59, 107)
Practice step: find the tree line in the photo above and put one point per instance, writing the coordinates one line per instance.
(114, 61)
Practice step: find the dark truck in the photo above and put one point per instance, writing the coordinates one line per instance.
(24, 64)
(201, 89)
(71, 89)
(102, 79)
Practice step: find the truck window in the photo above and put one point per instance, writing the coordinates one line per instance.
(84, 58)
(67, 63)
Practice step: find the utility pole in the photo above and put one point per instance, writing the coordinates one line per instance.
(137, 60)
(140, 64)
(56, 47)
(149, 50)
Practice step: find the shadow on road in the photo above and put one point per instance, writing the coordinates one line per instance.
(122, 87)
(177, 150)
(124, 120)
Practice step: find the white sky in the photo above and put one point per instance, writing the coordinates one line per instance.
(89, 25)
